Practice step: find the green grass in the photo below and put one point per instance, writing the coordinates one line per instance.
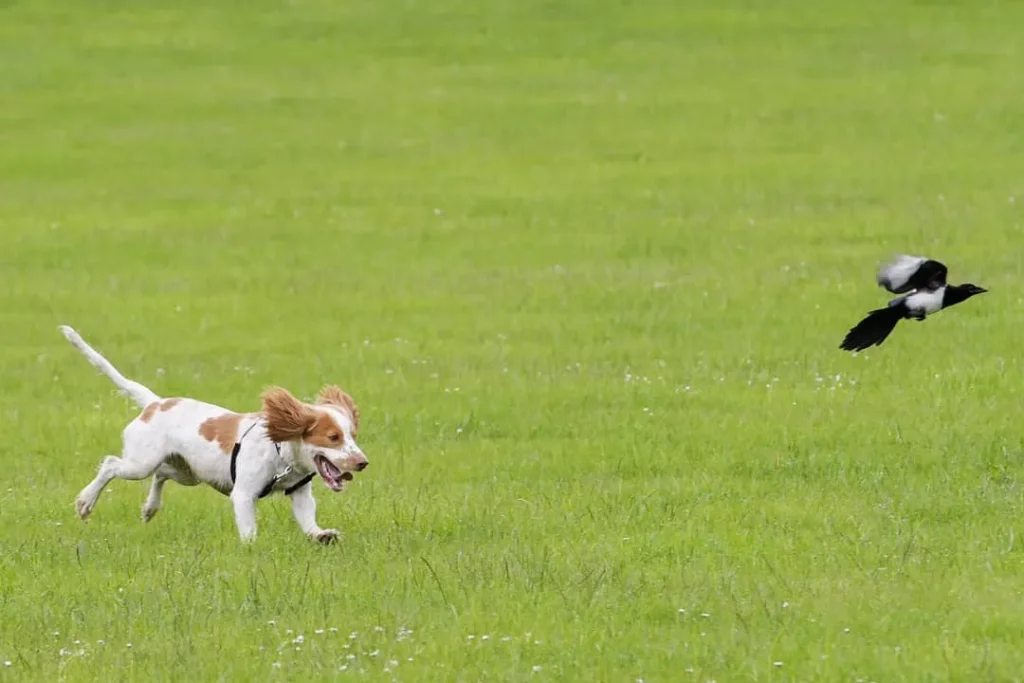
(585, 268)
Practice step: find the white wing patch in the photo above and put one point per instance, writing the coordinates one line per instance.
(894, 275)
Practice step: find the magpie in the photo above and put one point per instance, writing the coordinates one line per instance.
(922, 283)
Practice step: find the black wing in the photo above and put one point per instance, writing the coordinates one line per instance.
(909, 273)
(931, 276)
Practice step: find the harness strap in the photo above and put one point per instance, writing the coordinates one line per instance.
(302, 482)
(270, 485)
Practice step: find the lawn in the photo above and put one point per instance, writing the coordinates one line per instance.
(585, 267)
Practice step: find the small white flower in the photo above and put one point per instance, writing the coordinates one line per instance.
(333, 630)
(536, 668)
(8, 662)
(777, 664)
(271, 622)
(375, 653)
(276, 665)
(682, 611)
(706, 615)
(319, 631)
(350, 657)
(485, 637)
(299, 639)
(785, 605)
(353, 635)
(343, 667)
(378, 629)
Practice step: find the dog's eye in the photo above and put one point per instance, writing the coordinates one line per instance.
(334, 438)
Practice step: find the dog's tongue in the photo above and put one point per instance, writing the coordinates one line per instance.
(331, 475)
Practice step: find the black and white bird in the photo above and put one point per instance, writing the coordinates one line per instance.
(922, 282)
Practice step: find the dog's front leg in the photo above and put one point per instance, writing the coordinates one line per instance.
(304, 511)
(245, 513)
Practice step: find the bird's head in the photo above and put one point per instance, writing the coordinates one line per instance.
(958, 293)
(970, 289)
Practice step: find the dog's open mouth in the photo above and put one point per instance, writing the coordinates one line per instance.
(334, 477)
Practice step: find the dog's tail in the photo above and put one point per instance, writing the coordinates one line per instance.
(136, 391)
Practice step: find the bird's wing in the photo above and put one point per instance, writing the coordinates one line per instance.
(930, 276)
(906, 273)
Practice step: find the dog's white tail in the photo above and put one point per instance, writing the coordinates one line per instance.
(136, 391)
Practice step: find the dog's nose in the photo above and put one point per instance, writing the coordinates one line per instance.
(361, 466)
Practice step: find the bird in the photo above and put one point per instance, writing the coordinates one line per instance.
(921, 282)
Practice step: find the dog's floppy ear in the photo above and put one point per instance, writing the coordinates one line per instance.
(333, 395)
(288, 418)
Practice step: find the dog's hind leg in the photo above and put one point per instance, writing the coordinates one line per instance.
(135, 465)
(155, 498)
(173, 468)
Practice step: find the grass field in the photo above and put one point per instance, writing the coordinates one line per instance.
(585, 267)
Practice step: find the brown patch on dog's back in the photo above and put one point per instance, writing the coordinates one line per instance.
(163, 406)
(223, 429)
(149, 411)
(325, 433)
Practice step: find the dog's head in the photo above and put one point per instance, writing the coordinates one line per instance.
(324, 431)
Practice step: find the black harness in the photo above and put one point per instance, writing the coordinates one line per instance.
(270, 484)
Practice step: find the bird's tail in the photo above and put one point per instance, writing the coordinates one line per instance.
(872, 330)
(136, 391)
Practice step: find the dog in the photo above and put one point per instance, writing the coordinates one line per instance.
(245, 456)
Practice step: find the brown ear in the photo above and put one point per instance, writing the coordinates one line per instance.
(288, 418)
(333, 395)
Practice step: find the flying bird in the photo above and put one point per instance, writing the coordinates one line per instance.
(922, 284)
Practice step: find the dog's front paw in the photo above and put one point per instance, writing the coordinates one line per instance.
(83, 506)
(325, 536)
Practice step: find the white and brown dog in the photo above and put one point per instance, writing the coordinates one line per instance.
(243, 455)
